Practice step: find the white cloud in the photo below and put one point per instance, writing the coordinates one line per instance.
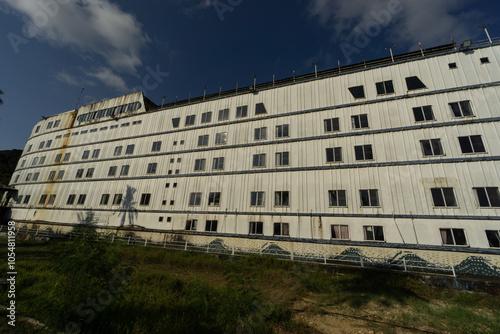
(89, 26)
(72, 80)
(405, 21)
(109, 78)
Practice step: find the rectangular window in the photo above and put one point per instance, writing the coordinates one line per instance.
(359, 121)
(145, 198)
(123, 125)
(95, 153)
(414, 83)
(52, 199)
(218, 163)
(203, 140)
(71, 199)
(175, 122)
(43, 198)
(42, 160)
(282, 158)
(281, 198)
(337, 198)
(49, 143)
(452, 66)
(493, 238)
(357, 92)
(260, 109)
(282, 131)
(124, 170)
(79, 173)
(28, 177)
(112, 170)
(332, 124)
(431, 147)
(104, 199)
(453, 236)
(29, 148)
(484, 60)
(156, 146)
(152, 168)
(66, 157)
(384, 87)
(260, 134)
(37, 129)
(223, 115)
(281, 229)
(369, 197)
(41, 145)
(35, 161)
(374, 233)
(206, 117)
(211, 226)
(257, 198)
(487, 197)
(214, 199)
(241, 111)
(340, 232)
(117, 199)
(259, 160)
(23, 163)
(363, 152)
(90, 173)
(199, 164)
(191, 225)
(35, 176)
(424, 113)
(221, 138)
(58, 158)
(190, 120)
(443, 197)
(56, 123)
(118, 151)
(49, 125)
(52, 175)
(27, 199)
(130, 149)
(85, 155)
(81, 199)
(256, 228)
(461, 109)
(471, 144)
(60, 175)
(334, 154)
(194, 199)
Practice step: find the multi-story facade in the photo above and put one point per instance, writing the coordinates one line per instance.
(383, 155)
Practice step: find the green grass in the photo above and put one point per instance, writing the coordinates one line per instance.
(184, 292)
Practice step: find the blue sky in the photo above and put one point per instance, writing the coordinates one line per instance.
(51, 49)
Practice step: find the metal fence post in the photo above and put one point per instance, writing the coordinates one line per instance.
(404, 263)
(361, 262)
(128, 242)
(232, 252)
(208, 247)
(186, 245)
(113, 240)
(291, 255)
(145, 242)
(324, 256)
(165, 243)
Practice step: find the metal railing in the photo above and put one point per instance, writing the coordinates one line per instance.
(414, 265)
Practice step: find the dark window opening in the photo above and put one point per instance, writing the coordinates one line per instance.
(414, 83)
(357, 92)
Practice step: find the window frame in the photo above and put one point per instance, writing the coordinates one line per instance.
(342, 231)
(377, 230)
(211, 225)
(214, 198)
(282, 199)
(262, 133)
(360, 121)
(433, 144)
(257, 198)
(331, 124)
(475, 147)
(454, 236)
(282, 159)
(254, 228)
(259, 160)
(387, 86)
(195, 199)
(284, 229)
(489, 193)
(333, 152)
(423, 111)
(444, 198)
(372, 194)
(145, 199)
(363, 148)
(339, 199)
(282, 131)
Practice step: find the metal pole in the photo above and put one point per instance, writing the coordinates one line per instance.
(390, 50)
(204, 93)
(293, 75)
(273, 79)
(404, 263)
(162, 100)
(485, 26)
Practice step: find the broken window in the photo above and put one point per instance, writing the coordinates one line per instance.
(414, 83)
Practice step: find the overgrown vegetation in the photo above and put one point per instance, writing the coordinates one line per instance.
(8, 162)
(66, 286)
